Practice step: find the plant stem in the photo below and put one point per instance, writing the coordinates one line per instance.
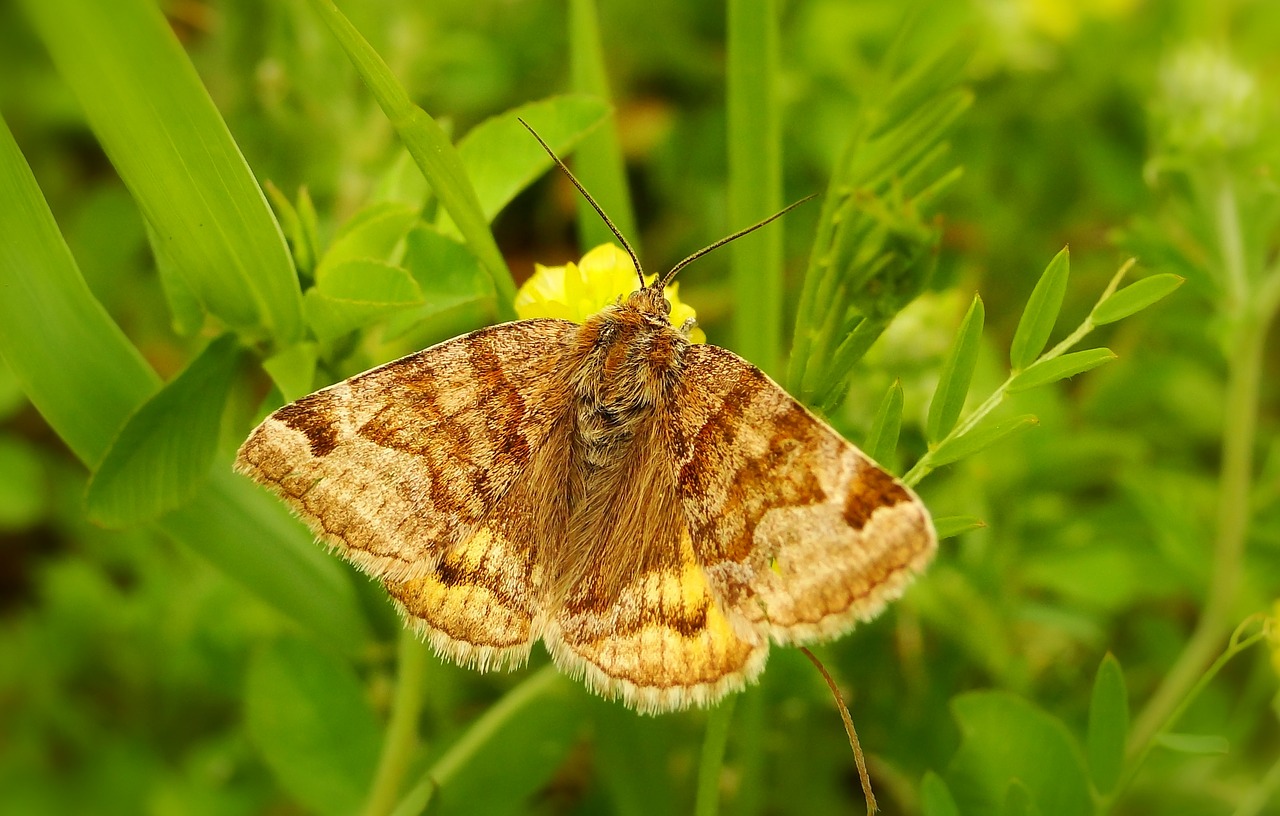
(712, 761)
(1248, 323)
(402, 730)
(1244, 371)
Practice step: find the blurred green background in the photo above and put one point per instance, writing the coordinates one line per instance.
(216, 662)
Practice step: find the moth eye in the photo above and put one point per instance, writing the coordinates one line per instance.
(666, 306)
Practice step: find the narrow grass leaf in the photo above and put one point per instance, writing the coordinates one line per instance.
(159, 127)
(1060, 368)
(1108, 725)
(227, 524)
(527, 733)
(163, 453)
(291, 225)
(1041, 312)
(67, 354)
(86, 378)
(502, 158)
(598, 162)
(957, 373)
(1194, 743)
(1003, 738)
(952, 526)
(431, 149)
(293, 370)
(755, 179)
(935, 797)
(882, 440)
(1135, 297)
(983, 436)
(310, 719)
(186, 312)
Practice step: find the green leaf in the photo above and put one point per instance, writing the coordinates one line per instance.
(502, 158)
(1041, 313)
(293, 370)
(1134, 298)
(24, 484)
(448, 274)
(371, 235)
(169, 144)
(598, 162)
(1006, 738)
(163, 453)
(935, 797)
(186, 312)
(368, 281)
(527, 734)
(310, 718)
(952, 526)
(1018, 800)
(1060, 368)
(1108, 725)
(1193, 743)
(355, 293)
(957, 372)
(985, 435)
(431, 149)
(882, 439)
(72, 361)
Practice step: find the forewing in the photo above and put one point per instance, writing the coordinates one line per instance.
(799, 532)
(409, 471)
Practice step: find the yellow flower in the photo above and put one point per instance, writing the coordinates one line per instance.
(577, 291)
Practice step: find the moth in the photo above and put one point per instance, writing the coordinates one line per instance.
(655, 512)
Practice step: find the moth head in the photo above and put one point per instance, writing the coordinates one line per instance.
(651, 302)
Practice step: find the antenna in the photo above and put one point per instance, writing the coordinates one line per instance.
(666, 279)
(594, 205)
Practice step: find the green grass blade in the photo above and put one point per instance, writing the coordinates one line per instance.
(1108, 725)
(69, 356)
(598, 162)
(502, 158)
(1135, 297)
(168, 142)
(431, 149)
(1041, 313)
(882, 440)
(163, 453)
(252, 537)
(527, 733)
(957, 372)
(310, 718)
(755, 180)
(1060, 368)
(86, 379)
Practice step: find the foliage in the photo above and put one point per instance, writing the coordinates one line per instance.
(206, 210)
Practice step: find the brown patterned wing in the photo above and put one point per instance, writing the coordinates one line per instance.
(797, 530)
(409, 470)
